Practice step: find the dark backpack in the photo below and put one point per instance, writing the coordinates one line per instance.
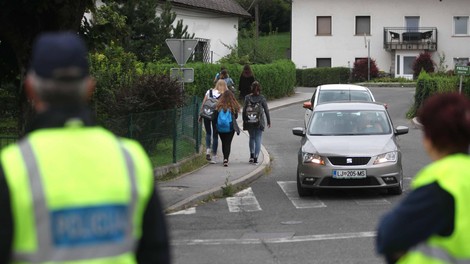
(224, 121)
(208, 108)
(253, 113)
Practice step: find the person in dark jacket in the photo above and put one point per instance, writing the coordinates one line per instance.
(246, 79)
(255, 129)
(71, 190)
(431, 224)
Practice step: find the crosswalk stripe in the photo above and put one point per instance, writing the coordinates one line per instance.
(191, 210)
(290, 190)
(243, 201)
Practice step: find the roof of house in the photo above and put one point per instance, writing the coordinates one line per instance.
(219, 6)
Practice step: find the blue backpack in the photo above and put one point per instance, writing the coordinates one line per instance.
(224, 121)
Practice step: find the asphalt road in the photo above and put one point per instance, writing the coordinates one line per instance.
(269, 223)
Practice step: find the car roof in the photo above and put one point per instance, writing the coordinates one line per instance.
(350, 105)
(342, 87)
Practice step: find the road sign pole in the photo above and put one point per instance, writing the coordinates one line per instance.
(460, 86)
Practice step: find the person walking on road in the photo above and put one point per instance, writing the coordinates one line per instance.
(244, 84)
(432, 224)
(71, 191)
(255, 110)
(226, 116)
(210, 123)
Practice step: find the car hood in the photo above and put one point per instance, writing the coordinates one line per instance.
(370, 145)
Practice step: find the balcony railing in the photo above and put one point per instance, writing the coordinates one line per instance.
(402, 38)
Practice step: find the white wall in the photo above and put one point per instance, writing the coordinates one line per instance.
(343, 47)
(218, 28)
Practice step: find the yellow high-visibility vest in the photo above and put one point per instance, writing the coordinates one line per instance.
(452, 173)
(78, 195)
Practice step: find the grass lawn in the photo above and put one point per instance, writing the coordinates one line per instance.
(280, 41)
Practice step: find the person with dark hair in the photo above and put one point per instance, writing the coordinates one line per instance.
(246, 79)
(217, 75)
(230, 83)
(71, 191)
(432, 224)
(255, 109)
(227, 106)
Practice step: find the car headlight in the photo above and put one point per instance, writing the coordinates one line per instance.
(313, 158)
(386, 157)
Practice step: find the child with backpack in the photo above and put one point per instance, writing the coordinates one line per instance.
(226, 115)
(207, 114)
(254, 109)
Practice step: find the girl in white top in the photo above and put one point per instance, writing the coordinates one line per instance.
(210, 125)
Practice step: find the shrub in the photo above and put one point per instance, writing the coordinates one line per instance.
(423, 62)
(359, 72)
(317, 76)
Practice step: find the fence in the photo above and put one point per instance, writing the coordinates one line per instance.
(167, 136)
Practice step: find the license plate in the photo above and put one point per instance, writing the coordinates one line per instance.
(349, 174)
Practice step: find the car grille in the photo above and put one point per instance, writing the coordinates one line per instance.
(369, 181)
(344, 160)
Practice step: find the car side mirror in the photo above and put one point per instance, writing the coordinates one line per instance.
(400, 130)
(298, 131)
(307, 105)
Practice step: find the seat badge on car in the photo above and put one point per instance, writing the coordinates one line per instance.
(349, 160)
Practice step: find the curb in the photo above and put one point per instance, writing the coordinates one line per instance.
(217, 191)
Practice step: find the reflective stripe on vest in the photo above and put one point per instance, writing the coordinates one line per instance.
(438, 253)
(46, 251)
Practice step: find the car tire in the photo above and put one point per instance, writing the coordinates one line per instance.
(396, 190)
(303, 192)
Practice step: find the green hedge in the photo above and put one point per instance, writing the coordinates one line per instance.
(277, 79)
(427, 85)
(317, 76)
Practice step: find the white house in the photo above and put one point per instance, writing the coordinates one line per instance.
(213, 22)
(333, 33)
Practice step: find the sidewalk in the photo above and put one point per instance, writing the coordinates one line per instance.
(192, 188)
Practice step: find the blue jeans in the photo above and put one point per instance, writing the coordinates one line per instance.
(211, 133)
(255, 141)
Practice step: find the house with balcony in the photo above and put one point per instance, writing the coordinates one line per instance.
(214, 24)
(336, 33)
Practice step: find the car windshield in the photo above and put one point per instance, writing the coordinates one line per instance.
(343, 95)
(329, 123)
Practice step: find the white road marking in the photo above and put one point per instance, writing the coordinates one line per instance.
(290, 189)
(368, 201)
(294, 239)
(243, 201)
(191, 210)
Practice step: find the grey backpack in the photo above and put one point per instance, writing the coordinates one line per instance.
(208, 108)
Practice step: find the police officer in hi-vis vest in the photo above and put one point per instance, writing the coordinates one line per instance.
(432, 224)
(71, 191)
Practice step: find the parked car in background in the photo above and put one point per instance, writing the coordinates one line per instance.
(349, 145)
(336, 92)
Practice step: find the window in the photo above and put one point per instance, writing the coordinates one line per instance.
(461, 25)
(324, 26)
(412, 23)
(363, 25)
(324, 62)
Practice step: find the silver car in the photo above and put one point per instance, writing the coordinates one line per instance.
(349, 145)
(336, 92)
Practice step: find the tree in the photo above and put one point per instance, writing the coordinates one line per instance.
(424, 62)
(22, 20)
(135, 26)
(274, 15)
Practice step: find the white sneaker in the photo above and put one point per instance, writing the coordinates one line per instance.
(214, 159)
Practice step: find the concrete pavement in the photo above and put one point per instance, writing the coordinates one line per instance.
(206, 182)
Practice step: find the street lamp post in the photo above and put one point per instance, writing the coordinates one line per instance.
(367, 43)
